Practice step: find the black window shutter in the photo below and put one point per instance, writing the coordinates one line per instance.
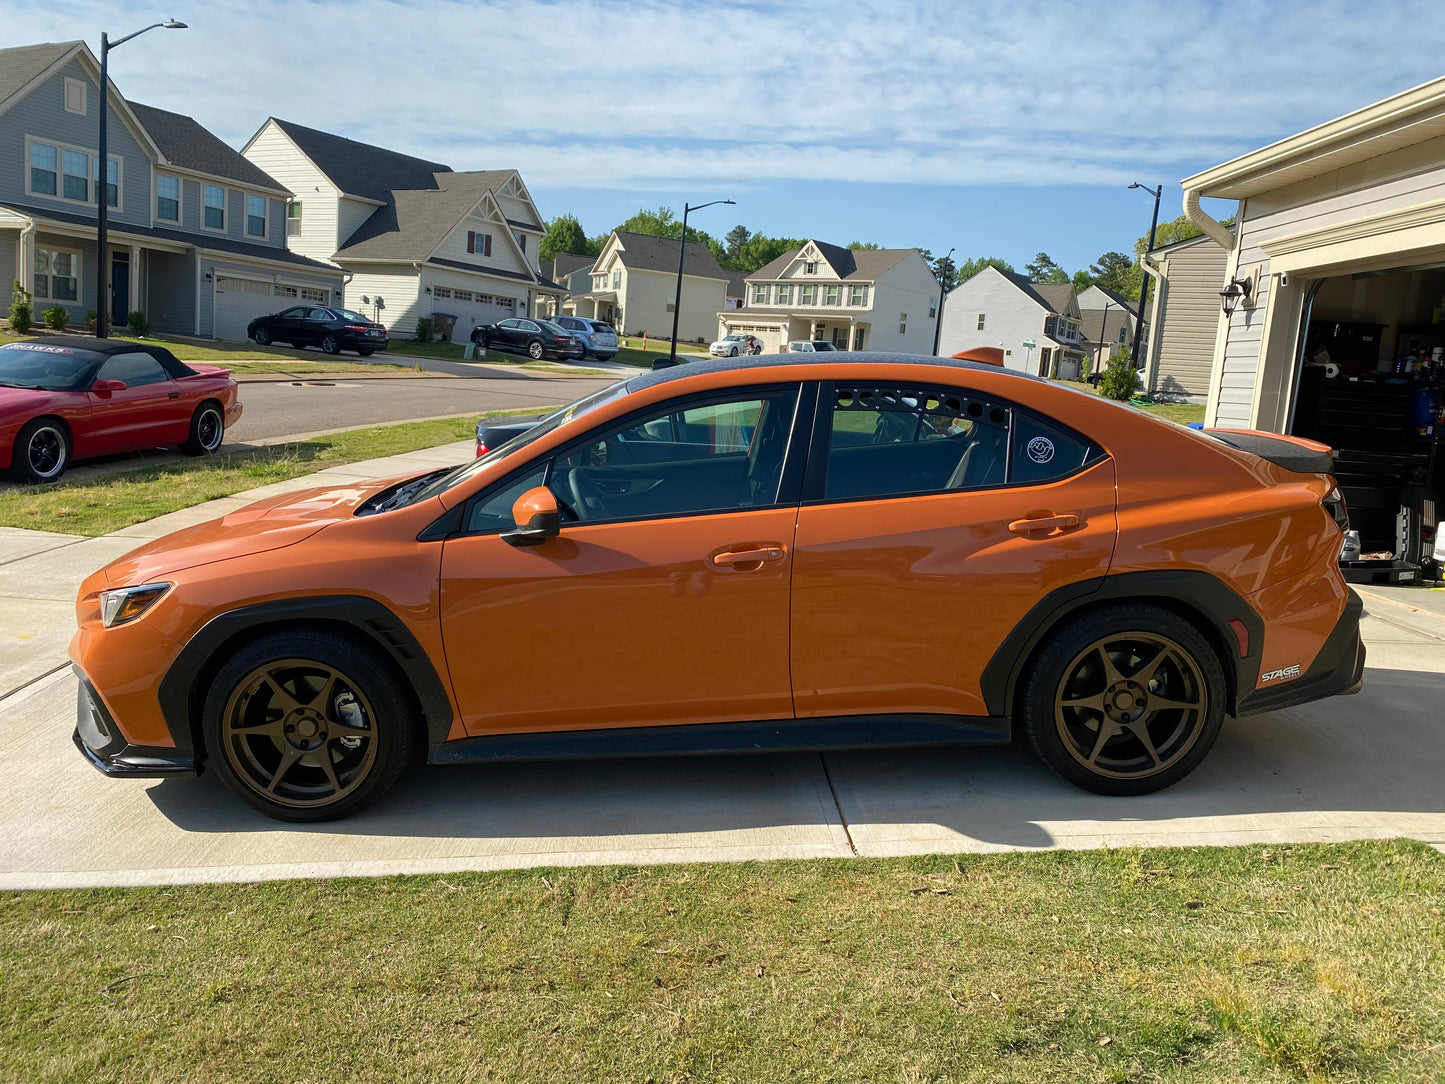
(471, 241)
(488, 246)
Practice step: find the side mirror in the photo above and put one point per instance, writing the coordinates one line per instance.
(537, 517)
(105, 387)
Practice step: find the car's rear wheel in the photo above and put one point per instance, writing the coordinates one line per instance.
(41, 452)
(535, 350)
(308, 725)
(262, 336)
(208, 427)
(1124, 700)
(330, 344)
(365, 351)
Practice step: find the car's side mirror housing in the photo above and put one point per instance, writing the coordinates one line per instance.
(537, 517)
(105, 387)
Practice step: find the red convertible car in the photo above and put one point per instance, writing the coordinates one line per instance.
(65, 398)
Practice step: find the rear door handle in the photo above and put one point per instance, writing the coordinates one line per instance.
(755, 556)
(1043, 523)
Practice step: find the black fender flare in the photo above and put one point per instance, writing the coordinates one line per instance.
(1196, 595)
(182, 690)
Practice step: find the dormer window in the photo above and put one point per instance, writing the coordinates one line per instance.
(810, 267)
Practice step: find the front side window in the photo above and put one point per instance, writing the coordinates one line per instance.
(718, 456)
(256, 216)
(214, 200)
(168, 198)
(785, 294)
(493, 512)
(75, 168)
(44, 169)
(57, 274)
(136, 369)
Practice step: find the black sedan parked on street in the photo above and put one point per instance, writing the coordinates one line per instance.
(536, 338)
(334, 330)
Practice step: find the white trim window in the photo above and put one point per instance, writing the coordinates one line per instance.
(255, 216)
(63, 172)
(57, 274)
(168, 197)
(44, 179)
(760, 294)
(213, 207)
(982, 317)
(785, 293)
(932, 307)
(310, 294)
(858, 296)
(903, 323)
(75, 176)
(441, 293)
(112, 181)
(832, 295)
(293, 218)
(806, 292)
(810, 267)
(617, 279)
(75, 95)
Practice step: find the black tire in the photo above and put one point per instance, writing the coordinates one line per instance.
(365, 351)
(330, 344)
(41, 452)
(482, 339)
(733, 352)
(262, 336)
(1119, 665)
(535, 350)
(208, 429)
(257, 726)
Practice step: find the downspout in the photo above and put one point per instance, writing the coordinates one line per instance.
(1156, 303)
(25, 256)
(1216, 232)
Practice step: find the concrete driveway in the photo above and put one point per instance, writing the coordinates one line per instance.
(1370, 765)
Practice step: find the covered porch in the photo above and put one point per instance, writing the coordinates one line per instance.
(601, 305)
(777, 329)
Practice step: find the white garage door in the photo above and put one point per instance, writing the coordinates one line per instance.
(471, 308)
(239, 301)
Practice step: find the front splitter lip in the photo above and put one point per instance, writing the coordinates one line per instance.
(137, 761)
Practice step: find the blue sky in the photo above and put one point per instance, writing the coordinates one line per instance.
(996, 128)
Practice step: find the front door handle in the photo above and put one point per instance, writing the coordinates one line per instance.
(750, 558)
(1043, 523)
(169, 395)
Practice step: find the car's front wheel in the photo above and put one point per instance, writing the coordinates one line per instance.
(308, 725)
(330, 344)
(535, 350)
(365, 351)
(41, 452)
(262, 336)
(482, 339)
(208, 426)
(733, 352)
(1124, 700)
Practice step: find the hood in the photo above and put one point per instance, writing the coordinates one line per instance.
(270, 524)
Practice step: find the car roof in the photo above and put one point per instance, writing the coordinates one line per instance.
(760, 363)
(95, 346)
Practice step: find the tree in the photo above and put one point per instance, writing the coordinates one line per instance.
(1082, 281)
(736, 238)
(659, 223)
(1043, 269)
(1181, 229)
(564, 234)
(1115, 271)
(761, 250)
(1120, 380)
(969, 268)
(871, 246)
(945, 271)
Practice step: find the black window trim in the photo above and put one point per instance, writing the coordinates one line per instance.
(789, 484)
(816, 479)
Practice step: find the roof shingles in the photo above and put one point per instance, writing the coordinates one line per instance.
(187, 145)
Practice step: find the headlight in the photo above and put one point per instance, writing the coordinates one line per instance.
(122, 604)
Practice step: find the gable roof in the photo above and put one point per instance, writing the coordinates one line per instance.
(412, 222)
(188, 145)
(1098, 326)
(849, 263)
(564, 263)
(360, 169)
(20, 65)
(737, 284)
(1116, 298)
(643, 252)
(1056, 295)
(1029, 289)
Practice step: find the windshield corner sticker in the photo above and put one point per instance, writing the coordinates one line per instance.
(1281, 675)
(1041, 449)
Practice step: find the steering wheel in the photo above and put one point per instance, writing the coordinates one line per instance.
(586, 497)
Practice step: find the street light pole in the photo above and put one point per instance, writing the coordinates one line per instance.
(1144, 290)
(102, 188)
(938, 324)
(1103, 330)
(677, 298)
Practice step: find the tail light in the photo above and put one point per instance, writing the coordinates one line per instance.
(1334, 502)
(481, 450)
(357, 327)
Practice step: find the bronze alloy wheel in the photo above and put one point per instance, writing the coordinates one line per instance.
(299, 733)
(1131, 705)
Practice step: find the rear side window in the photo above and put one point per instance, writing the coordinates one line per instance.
(1043, 452)
(135, 369)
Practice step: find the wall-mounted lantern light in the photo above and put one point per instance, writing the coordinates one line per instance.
(1238, 290)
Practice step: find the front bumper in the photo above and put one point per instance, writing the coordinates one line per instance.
(1338, 669)
(101, 742)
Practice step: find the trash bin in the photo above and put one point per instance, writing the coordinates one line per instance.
(442, 324)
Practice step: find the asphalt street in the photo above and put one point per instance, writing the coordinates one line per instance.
(284, 408)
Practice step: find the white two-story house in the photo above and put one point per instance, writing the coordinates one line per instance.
(634, 287)
(1036, 324)
(418, 235)
(197, 234)
(856, 299)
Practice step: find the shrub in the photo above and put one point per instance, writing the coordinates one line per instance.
(91, 316)
(138, 323)
(423, 329)
(21, 310)
(55, 318)
(1120, 380)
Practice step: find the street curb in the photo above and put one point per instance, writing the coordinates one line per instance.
(311, 378)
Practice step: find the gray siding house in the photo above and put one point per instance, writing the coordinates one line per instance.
(1004, 309)
(1184, 307)
(193, 225)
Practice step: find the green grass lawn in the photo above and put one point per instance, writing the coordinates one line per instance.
(1183, 413)
(101, 505)
(230, 354)
(1253, 964)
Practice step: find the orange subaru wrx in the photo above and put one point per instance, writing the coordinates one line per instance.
(844, 551)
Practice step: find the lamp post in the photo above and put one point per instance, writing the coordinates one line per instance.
(942, 289)
(1144, 290)
(677, 298)
(1103, 331)
(102, 274)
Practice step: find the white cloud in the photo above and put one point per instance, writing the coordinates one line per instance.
(607, 94)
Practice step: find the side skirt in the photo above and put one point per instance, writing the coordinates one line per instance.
(704, 739)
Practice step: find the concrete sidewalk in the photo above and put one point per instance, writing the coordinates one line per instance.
(1351, 767)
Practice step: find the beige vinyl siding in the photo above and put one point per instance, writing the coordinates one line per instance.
(399, 288)
(504, 254)
(1189, 323)
(274, 152)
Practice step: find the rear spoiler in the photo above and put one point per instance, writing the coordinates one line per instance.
(1292, 453)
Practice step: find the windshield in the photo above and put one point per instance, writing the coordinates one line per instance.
(40, 365)
(558, 417)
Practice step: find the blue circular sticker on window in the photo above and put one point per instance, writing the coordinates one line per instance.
(1041, 449)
